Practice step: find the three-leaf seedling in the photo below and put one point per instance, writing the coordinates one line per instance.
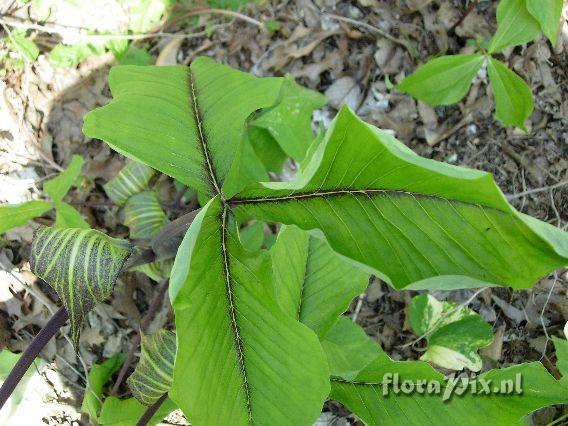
(447, 79)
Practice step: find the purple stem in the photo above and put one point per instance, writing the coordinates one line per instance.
(144, 323)
(149, 413)
(30, 354)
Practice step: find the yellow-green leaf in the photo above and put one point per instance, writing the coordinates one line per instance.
(131, 180)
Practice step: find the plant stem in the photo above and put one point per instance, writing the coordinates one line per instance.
(144, 323)
(149, 413)
(30, 354)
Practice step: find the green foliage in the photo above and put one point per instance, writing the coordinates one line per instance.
(446, 80)
(113, 411)
(229, 4)
(69, 56)
(7, 362)
(515, 26)
(246, 352)
(26, 47)
(547, 13)
(132, 179)
(66, 216)
(18, 215)
(81, 266)
(59, 186)
(289, 122)
(143, 214)
(513, 99)
(251, 356)
(363, 379)
(411, 219)
(170, 105)
(126, 412)
(153, 375)
(454, 333)
(98, 375)
(304, 268)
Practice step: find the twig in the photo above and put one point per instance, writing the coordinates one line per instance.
(372, 29)
(212, 11)
(534, 191)
(465, 14)
(144, 324)
(149, 413)
(30, 354)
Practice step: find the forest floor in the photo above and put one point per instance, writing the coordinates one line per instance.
(345, 49)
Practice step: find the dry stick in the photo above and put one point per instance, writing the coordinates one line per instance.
(144, 324)
(462, 18)
(149, 413)
(30, 354)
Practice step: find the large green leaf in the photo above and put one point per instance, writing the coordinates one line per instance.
(143, 214)
(548, 14)
(444, 80)
(312, 282)
(241, 359)
(19, 214)
(366, 380)
(81, 266)
(454, 333)
(154, 373)
(58, 187)
(513, 97)
(515, 25)
(407, 218)
(185, 122)
(132, 179)
(289, 122)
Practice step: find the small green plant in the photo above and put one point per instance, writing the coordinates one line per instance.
(66, 215)
(454, 333)
(259, 334)
(447, 79)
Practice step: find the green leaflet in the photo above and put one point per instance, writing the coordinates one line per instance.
(363, 378)
(312, 282)
(81, 266)
(515, 25)
(60, 185)
(19, 214)
(561, 347)
(406, 218)
(444, 80)
(131, 180)
(513, 98)
(241, 359)
(186, 122)
(67, 217)
(143, 214)
(26, 47)
(289, 122)
(454, 333)
(126, 412)
(157, 270)
(547, 13)
(153, 375)
(98, 375)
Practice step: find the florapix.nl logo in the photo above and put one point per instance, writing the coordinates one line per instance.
(393, 384)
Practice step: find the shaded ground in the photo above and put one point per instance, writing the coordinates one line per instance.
(335, 47)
